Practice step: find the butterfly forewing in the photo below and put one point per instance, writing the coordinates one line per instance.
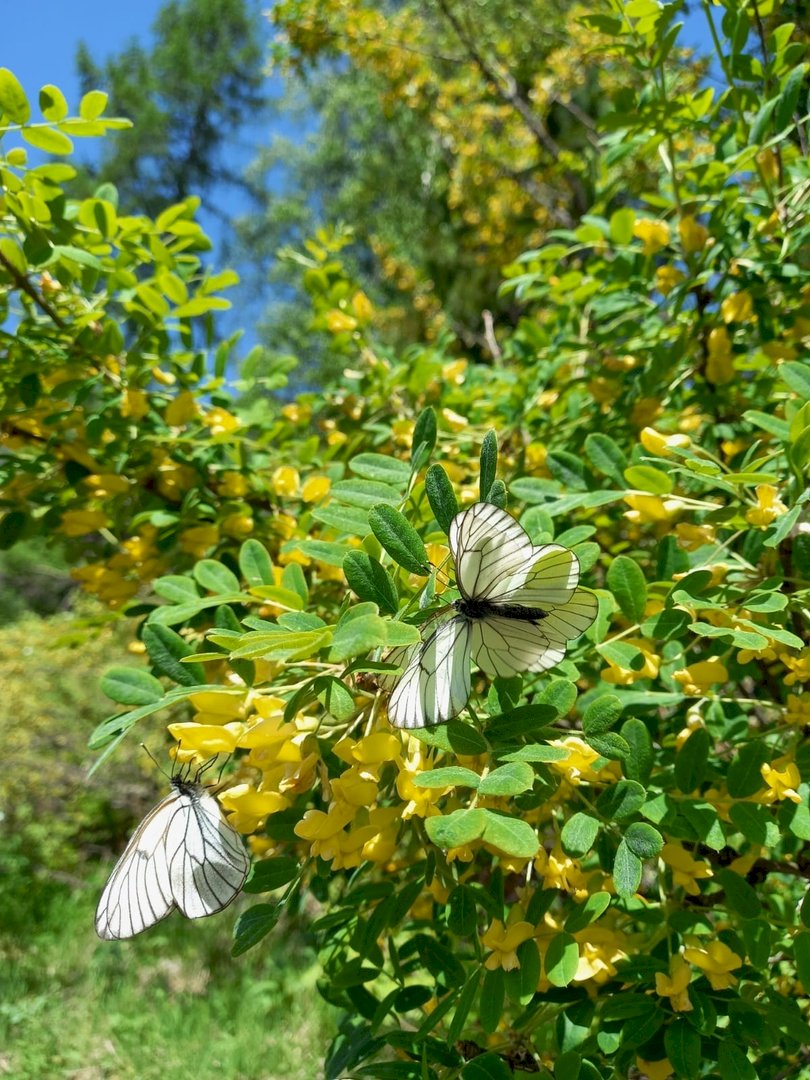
(183, 854)
(505, 647)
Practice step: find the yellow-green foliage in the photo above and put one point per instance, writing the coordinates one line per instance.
(602, 866)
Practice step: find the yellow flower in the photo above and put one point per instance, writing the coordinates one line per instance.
(453, 420)
(419, 801)
(674, 986)
(717, 961)
(620, 676)
(600, 949)
(165, 378)
(654, 234)
(181, 409)
(206, 740)
(560, 871)
(104, 484)
(315, 488)
(249, 808)
(737, 308)
(296, 413)
(453, 372)
(652, 509)
(237, 525)
(769, 506)
(782, 782)
(338, 322)
(662, 445)
(232, 485)
(580, 756)
(81, 522)
(697, 679)
(135, 404)
(693, 235)
(220, 421)
(362, 307)
(797, 710)
(504, 942)
(214, 707)
(799, 666)
(686, 871)
(667, 278)
(285, 481)
(355, 788)
(198, 540)
(655, 1070)
(536, 454)
(720, 362)
(692, 537)
(323, 830)
(645, 411)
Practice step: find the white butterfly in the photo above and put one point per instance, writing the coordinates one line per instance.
(519, 608)
(184, 855)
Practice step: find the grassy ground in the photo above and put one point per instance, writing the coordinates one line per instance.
(170, 1003)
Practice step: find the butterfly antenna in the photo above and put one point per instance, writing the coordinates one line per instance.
(202, 769)
(154, 761)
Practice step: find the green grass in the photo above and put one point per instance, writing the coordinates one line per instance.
(170, 1003)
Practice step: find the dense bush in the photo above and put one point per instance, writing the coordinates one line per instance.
(598, 872)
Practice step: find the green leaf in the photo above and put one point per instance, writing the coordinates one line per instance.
(166, 649)
(740, 897)
(744, 775)
(255, 563)
(610, 745)
(52, 103)
(269, 874)
(13, 101)
(568, 469)
(692, 761)
(462, 914)
(772, 424)
(560, 694)
(497, 495)
(755, 823)
(797, 377)
(537, 752)
(561, 959)
(381, 467)
(93, 104)
(424, 437)
(602, 713)
(489, 464)
(48, 139)
(488, 1066)
(682, 1044)
(441, 496)
(458, 829)
(463, 1006)
(643, 840)
(621, 225)
(622, 800)
(648, 479)
(252, 925)
(451, 776)
(733, 1063)
(365, 493)
(490, 1008)
(357, 636)
(637, 765)
(369, 579)
(627, 869)
(578, 834)
(131, 686)
(399, 538)
(215, 577)
(511, 779)
(801, 956)
(627, 583)
(607, 457)
(510, 835)
(584, 914)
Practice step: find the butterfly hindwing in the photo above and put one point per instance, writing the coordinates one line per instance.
(435, 685)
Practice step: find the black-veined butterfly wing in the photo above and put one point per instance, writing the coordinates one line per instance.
(184, 854)
(497, 561)
(435, 684)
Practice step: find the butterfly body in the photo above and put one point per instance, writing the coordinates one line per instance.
(183, 855)
(484, 609)
(519, 607)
